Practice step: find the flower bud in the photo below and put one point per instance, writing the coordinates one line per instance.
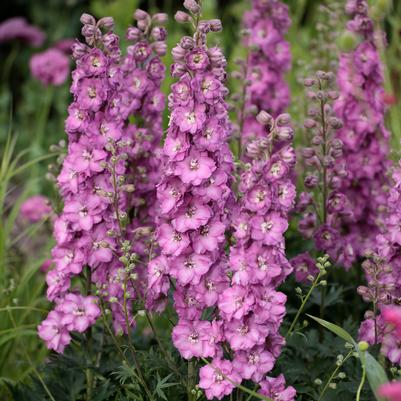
(308, 82)
(215, 25)
(192, 6)
(347, 41)
(187, 43)
(141, 15)
(309, 123)
(143, 24)
(283, 119)
(133, 33)
(335, 123)
(160, 48)
(160, 18)
(311, 181)
(264, 118)
(159, 33)
(363, 346)
(308, 153)
(106, 22)
(178, 53)
(181, 17)
(87, 19)
(285, 133)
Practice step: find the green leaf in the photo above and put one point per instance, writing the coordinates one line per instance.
(375, 373)
(339, 331)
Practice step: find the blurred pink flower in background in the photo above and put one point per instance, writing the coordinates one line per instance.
(392, 391)
(35, 208)
(18, 28)
(50, 67)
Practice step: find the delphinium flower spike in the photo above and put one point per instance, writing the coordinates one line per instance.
(322, 204)
(268, 60)
(143, 103)
(251, 308)
(383, 275)
(194, 192)
(365, 139)
(93, 234)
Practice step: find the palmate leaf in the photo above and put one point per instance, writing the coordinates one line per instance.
(162, 384)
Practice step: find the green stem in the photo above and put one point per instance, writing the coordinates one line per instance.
(304, 301)
(88, 335)
(361, 384)
(190, 383)
(333, 375)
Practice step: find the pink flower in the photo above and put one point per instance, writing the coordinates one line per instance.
(53, 331)
(92, 94)
(190, 120)
(195, 168)
(245, 334)
(212, 379)
(253, 364)
(50, 67)
(209, 236)
(193, 339)
(275, 389)
(269, 229)
(190, 268)
(192, 216)
(79, 312)
(235, 302)
(35, 208)
(172, 242)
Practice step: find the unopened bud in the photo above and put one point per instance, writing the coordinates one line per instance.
(87, 19)
(141, 15)
(192, 6)
(264, 118)
(182, 17)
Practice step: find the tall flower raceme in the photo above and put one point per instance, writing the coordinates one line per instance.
(383, 274)
(93, 232)
(143, 103)
(365, 138)
(268, 60)
(194, 196)
(323, 205)
(251, 308)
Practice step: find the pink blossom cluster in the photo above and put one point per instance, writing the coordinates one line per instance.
(35, 208)
(94, 229)
(365, 138)
(392, 318)
(143, 103)
(50, 67)
(383, 274)
(268, 60)
(251, 308)
(17, 28)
